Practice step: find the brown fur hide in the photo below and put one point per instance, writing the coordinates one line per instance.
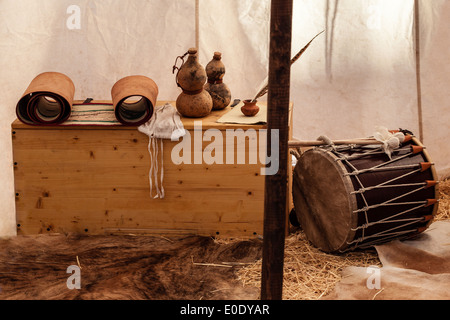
(123, 267)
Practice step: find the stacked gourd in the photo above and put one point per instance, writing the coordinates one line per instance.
(194, 101)
(219, 91)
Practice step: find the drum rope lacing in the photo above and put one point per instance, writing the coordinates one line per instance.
(392, 232)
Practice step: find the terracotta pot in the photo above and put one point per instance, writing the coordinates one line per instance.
(250, 108)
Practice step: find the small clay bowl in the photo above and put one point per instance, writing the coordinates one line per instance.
(250, 109)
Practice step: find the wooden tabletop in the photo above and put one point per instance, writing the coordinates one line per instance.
(188, 123)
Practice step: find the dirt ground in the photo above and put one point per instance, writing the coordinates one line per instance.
(125, 267)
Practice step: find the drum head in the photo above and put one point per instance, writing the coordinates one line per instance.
(322, 200)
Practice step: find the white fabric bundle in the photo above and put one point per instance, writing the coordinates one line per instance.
(391, 141)
(165, 124)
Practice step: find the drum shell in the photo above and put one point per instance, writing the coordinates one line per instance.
(379, 196)
(359, 225)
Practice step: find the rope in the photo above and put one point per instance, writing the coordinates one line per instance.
(385, 184)
(406, 166)
(374, 151)
(153, 172)
(362, 189)
(379, 167)
(386, 237)
(327, 141)
(384, 233)
(296, 153)
(385, 220)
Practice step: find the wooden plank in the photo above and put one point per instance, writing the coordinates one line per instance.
(72, 179)
(76, 180)
(188, 123)
(278, 119)
(97, 215)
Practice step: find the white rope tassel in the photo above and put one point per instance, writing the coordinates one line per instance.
(165, 124)
(150, 173)
(162, 170)
(154, 168)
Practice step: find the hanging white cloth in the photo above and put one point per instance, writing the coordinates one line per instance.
(164, 124)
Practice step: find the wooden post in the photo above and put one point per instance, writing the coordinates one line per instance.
(277, 119)
(418, 67)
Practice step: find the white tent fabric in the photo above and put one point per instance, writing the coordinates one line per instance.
(359, 74)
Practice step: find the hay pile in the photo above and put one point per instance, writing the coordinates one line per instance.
(444, 201)
(310, 273)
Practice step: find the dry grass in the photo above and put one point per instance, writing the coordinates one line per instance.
(444, 201)
(310, 273)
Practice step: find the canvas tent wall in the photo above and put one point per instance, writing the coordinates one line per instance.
(359, 74)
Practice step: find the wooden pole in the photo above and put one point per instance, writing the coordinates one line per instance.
(277, 119)
(418, 67)
(197, 26)
(313, 143)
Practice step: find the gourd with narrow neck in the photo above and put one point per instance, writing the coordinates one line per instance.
(194, 101)
(219, 91)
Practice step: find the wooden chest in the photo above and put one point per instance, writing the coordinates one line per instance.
(95, 180)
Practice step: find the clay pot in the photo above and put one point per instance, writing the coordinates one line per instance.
(194, 105)
(250, 109)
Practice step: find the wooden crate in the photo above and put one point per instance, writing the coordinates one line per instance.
(95, 180)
